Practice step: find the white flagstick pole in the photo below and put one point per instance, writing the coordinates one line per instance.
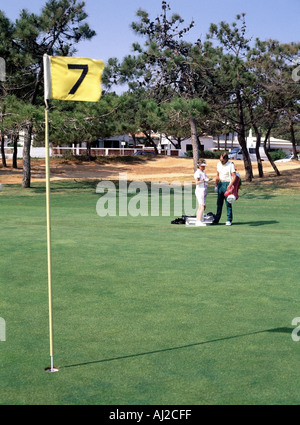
(51, 368)
(47, 77)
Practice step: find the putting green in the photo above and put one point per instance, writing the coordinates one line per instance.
(146, 312)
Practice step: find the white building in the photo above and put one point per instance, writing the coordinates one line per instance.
(186, 145)
(272, 143)
(123, 145)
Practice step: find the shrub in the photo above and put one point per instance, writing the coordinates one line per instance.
(189, 154)
(213, 155)
(206, 154)
(278, 154)
(68, 156)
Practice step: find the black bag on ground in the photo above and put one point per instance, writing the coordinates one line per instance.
(179, 220)
(208, 218)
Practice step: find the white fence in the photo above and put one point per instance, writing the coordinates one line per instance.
(34, 153)
(60, 151)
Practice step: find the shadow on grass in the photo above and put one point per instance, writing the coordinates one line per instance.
(257, 223)
(66, 186)
(264, 196)
(180, 347)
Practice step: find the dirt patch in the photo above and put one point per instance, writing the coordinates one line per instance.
(154, 169)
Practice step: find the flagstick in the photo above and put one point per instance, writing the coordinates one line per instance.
(51, 368)
(57, 64)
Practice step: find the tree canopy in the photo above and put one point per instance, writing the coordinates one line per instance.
(225, 82)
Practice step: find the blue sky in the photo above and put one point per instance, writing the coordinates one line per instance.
(111, 20)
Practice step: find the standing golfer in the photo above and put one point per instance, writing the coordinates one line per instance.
(201, 180)
(226, 176)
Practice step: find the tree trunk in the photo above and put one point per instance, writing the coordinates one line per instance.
(38, 81)
(257, 146)
(242, 139)
(267, 152)
(194, 142)
(26, 158)
(151, 141)
(15, 153)
(201, 148)
(258, 141)
(88, 151)
(134, 140)
(178, 145)
(3, 151)
(246, 157)
(293, 139)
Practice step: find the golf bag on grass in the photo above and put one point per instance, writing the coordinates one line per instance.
(179, 220)
(191, 220)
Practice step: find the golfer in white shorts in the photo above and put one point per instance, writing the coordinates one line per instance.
(201, 180)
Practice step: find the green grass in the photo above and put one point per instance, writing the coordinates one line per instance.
(146, 312)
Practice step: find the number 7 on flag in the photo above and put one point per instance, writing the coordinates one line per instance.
(69, 78)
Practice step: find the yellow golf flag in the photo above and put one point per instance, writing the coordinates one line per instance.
(69, 78)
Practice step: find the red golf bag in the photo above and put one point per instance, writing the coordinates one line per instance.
(234, 190)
